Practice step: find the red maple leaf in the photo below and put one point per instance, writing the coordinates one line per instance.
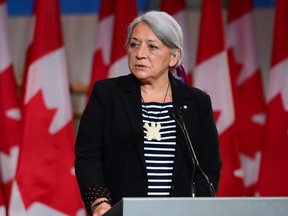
(248, 102)
(274, 159)
(46, 160)
(99, 70)
(230, 184)
(216, 115)
(8, 126)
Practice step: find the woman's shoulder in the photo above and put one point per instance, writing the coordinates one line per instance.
(195, 90)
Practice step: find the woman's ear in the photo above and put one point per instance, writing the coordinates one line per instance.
(174, 58)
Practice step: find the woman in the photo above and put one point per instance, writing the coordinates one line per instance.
(128, 145)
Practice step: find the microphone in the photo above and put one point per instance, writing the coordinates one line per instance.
(176, 115)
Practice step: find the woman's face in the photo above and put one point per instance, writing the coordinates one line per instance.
(148, 58)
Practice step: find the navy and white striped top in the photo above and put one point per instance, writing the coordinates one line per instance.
(159, 154)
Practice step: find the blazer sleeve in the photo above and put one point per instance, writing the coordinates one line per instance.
(209, 155)
(88, 148)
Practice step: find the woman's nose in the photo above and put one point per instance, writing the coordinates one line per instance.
(141, 52)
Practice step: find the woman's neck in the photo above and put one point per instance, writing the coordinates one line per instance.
(156, 93)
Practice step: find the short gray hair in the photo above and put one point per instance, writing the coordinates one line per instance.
(165, 28)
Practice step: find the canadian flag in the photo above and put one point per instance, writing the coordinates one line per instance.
(125, 12)
(178, 10)
(102, 54)
(45, 182)
(9, 114)
(273, 172)
(247, 88)
(110, 59)
(212, 75)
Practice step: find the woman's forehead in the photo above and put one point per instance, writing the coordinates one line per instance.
(142, 31)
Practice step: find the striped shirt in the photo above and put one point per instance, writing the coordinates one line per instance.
(159, 154)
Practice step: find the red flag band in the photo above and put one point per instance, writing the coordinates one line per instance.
(45, 180)
(247, 89)
(212, 75)
(273, 171)
(9, 114)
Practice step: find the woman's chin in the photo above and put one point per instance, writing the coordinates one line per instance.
(140, 74)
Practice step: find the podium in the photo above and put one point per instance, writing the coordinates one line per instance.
(233, 206)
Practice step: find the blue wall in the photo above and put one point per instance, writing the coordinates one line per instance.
(24, 7)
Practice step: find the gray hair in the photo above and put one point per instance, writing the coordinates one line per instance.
(165, 28)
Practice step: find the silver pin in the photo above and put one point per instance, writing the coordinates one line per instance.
(185, 106)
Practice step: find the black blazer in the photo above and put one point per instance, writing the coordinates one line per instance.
(109, 145)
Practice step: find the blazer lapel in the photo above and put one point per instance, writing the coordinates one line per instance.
(131, 97)
(182, 102)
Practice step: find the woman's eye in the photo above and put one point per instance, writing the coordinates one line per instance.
(133, 45)
(152, 47)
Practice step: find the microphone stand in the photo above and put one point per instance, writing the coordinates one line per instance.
(179, 120)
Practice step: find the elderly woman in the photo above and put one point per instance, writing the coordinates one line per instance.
(128, 145)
